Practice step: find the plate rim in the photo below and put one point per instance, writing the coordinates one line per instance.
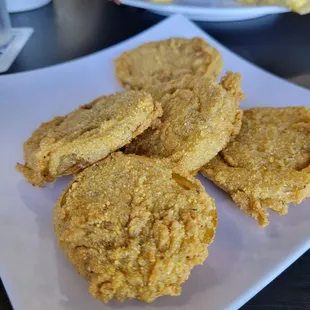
(202, 10)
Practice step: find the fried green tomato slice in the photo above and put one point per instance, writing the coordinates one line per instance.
(200, 116)
(67, 144)
(158, 62)
(267, 166)
(134, 227)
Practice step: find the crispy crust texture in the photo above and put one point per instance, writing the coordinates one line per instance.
(67, 144)
(158, 62)
(199, 118)
(134, 227)
(299, 6)
(267, 166)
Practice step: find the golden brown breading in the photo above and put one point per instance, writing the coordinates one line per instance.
(267, 166)
(67, 144)
(200, 117)
(299, 6)
(134, 227)
(157, 62)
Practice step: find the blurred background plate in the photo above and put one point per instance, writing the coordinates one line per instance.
(207, 10)
(15, 6)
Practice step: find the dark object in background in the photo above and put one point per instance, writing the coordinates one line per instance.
(4, 300)
(70, 29)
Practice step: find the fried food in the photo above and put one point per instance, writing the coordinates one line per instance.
(67, 144)
(134, 227)
(299, 6)
(157, 62)
(199, 118)
(267, 166)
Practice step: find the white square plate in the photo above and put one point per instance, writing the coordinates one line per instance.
(243, 258)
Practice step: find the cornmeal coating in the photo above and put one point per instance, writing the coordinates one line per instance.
(67, 144)
(157, 62)
(299, 6)
(199, 118)
(134, 227)
(267, 165)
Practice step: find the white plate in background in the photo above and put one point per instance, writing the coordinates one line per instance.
(207, 10)
(243, 258)
(15, 6)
